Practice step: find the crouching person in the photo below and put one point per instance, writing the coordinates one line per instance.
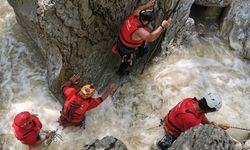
(188, 113)
(78, 102)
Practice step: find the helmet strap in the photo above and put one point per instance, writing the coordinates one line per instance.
(142, 22)
(203, 105)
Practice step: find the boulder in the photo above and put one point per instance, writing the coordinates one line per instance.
(246, 145)
(179, 20)
(107, 143)
(187, 32)
(205, 137)
(236, 27)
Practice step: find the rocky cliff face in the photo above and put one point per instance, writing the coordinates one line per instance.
(235, 24)
(236, 27)
(76, 36)
(217, 3)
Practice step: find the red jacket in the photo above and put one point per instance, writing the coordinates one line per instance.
(76, 115)
(130, 25)
(28, 136)
(182, 117)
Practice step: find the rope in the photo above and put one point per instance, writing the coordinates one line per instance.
(239, 128)
(55, 137)
(153, 127)
(166, 16)
(161, 120)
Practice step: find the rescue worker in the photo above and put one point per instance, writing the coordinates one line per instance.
(78, 102)
(26, 127)
(133, 34)
(188, 113)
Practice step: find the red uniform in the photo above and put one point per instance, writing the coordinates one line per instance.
(130, 25)
(182, 117)
(76, 115)
(28, 136)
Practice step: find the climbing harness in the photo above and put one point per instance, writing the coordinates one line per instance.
(128, 58)
(166, 16)
(55, 137)
(65, 117)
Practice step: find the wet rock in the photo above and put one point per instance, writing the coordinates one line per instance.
(205, 137)
(217, 3)
(236, 27)
(179, 20)
(187, 32)
(77, 36)
(107, 143)
(246, 145)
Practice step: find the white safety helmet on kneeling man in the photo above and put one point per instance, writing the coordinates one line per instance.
(213, 100)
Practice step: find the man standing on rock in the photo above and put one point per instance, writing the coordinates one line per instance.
(26, 127)
(133, 34)
(78, 102)
(188, 113)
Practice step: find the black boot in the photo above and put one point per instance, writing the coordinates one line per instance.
(124, 69)
(165, 142)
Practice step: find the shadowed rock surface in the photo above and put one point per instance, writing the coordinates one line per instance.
(107, 143)
(76, 36)
(217, 3)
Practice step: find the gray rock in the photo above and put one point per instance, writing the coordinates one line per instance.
(247, 145)
(217, 3)
(236, 27)
(187, 32)
(179, 20)
(107, 143)
(204, 137)
(76, 36)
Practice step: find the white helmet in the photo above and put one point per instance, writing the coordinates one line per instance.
(213, 101)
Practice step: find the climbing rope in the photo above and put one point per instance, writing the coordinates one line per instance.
(155, 126)
(167, 15)
(234, 127)
(55, 137)
(161, 116)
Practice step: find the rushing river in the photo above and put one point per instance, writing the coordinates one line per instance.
(206, 65)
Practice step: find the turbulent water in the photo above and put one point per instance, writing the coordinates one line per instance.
(206, 65)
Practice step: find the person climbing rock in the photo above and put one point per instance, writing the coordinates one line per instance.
(188, 113)
(78, 102)
(26, 127)
(133, 34)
